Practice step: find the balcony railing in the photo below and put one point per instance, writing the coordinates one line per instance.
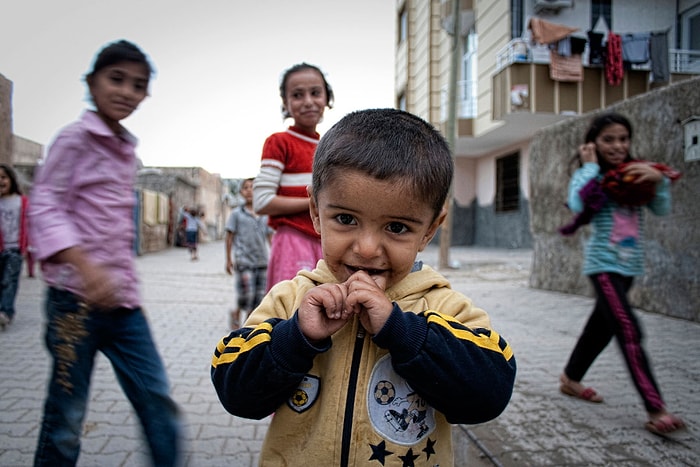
(520, 51)
(684, 61)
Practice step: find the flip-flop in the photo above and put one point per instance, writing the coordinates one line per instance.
(588, 394)
(665, 425)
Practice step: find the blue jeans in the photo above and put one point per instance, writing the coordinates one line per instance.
(10, 269)
(74, 335)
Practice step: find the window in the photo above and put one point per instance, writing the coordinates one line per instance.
(467, 93)
(508, 183)
(601, 9)
(690, 29)
(516, 19)
(403, 26)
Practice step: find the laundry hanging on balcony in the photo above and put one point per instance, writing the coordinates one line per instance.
(565, 63)
(544, 32)
(614, 71)
(658, 51)
(625, 50)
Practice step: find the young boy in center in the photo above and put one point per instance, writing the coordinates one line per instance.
(369, 358)
(248, 235)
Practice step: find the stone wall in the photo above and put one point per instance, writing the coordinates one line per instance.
(671, 284)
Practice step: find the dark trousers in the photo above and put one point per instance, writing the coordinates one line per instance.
(613, 316)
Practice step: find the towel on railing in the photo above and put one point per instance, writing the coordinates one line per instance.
(563, 68)
(544, 32)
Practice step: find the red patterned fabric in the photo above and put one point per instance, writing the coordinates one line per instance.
(613, 60)
(622, 188)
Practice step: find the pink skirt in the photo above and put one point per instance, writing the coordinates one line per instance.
(290, 252)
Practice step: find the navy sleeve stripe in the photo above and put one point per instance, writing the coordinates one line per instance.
(484, 338)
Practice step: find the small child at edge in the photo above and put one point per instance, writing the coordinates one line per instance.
(370, 357)
(248, 235)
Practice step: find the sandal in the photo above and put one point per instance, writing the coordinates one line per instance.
(664, 424)
(586, 394)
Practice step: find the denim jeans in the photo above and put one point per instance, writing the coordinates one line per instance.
(10, 269)
(74, 335)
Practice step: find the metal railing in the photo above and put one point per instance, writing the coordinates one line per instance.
(520, 51)
(684, 61)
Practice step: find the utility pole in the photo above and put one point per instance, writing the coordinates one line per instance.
(451, 130)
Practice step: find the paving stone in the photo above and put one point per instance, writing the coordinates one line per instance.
(187, 305)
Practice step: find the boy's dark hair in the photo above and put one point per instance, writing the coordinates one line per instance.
(119, 51)
(12, 175)
(387, 144)
(301, 67)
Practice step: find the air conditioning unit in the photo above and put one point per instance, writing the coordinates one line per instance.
(552, 6)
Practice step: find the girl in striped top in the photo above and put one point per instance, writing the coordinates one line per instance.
(279, 190)
(613, 256)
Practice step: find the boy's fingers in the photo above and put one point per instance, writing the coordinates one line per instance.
(380, 281)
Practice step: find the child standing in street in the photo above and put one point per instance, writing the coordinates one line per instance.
(192, 227)
(614, 255)
(81, 221)
(285, 172)
(371, 356)
(13, 241)
(249, 235)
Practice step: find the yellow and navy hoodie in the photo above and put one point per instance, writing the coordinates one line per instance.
(357, 399)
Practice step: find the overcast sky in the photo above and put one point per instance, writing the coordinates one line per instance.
(214, 98)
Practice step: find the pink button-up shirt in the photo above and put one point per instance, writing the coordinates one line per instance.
(84, 196)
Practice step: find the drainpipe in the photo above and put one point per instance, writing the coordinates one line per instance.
(450, 128)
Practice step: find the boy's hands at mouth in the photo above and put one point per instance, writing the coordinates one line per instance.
(326, 308)
(366, 297)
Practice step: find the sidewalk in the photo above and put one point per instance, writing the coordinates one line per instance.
(188, 305)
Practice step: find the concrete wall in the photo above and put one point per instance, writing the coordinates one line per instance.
(209, 197)
(671, 284)
(5, 120)
(25, 155)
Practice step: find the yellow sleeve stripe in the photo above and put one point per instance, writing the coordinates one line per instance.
(484, 338)
(228, 352)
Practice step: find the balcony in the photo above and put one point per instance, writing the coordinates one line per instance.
(522, 86)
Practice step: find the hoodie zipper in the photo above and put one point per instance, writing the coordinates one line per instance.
(350, 400)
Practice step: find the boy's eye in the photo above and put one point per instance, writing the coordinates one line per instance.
(397, 228)
(140, 85)
(345, 219)
(116, 79)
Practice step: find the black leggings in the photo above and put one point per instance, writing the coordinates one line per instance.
(613, 316)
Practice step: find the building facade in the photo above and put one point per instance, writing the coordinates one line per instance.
(507, 88)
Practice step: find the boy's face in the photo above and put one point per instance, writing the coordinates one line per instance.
(247, 190)
(117, 90)
(371, 224)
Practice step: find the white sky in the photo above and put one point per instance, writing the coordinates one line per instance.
(214, 98)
